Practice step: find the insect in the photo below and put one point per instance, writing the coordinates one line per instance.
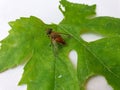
(55, 36)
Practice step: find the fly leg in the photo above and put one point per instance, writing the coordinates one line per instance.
(54, 47)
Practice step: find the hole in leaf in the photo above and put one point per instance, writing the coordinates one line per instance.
(89, 37)
(98, 83)
(73, 57)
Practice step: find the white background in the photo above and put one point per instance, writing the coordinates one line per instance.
(48, 11)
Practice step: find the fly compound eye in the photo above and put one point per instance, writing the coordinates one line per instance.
(49, 31)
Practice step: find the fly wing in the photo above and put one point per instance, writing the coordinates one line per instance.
(60, 40)
(57, 38)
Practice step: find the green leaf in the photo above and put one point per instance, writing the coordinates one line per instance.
(99, 57)
(48, 66)
(109, 59)
(79, 11)
(43, 70)
(106, 26)
(85, 21)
